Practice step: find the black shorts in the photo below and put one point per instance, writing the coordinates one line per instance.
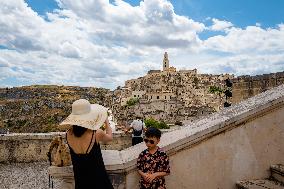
(136, 140)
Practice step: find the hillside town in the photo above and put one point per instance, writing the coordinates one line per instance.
(181, 96)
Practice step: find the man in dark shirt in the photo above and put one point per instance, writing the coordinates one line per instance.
(153, 163)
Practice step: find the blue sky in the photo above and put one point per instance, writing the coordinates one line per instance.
(103, 43)
(242, 12)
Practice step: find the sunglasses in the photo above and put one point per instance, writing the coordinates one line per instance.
(147, 140)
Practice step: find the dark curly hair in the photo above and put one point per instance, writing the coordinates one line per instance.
(153, 132)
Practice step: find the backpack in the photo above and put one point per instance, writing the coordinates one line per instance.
(59, 153)
(137, 132)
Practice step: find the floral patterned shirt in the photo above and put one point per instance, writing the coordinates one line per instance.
(152, 163)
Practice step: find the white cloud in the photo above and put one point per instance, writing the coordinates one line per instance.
(95, 38)
(153, 23)
(69, 50)
(17, 23)
(96, 43)
(258, 24)
(220, 25)
(245, 64)
(252, 40)
(4, 63)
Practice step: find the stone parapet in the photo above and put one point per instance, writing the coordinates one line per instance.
(32, 147)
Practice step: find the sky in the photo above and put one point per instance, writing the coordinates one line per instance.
(103, 43)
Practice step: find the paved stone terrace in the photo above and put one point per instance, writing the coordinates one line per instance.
(24, 176)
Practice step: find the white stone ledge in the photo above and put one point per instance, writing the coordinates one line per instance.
(30, 136)
(48, 136)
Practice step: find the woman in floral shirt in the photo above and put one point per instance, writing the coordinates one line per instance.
(153, 163)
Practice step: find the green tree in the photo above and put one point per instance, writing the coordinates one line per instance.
(226, 91)
(163, 125)
(151, 123)
(132, 101)
(216, 90)
(154, 123)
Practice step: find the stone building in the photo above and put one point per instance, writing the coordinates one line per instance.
(169, 95)
(172, 95)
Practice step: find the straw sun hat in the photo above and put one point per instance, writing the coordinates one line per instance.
(84, 114)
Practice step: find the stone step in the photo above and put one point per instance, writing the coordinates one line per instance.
(259, 184)
(277, 172)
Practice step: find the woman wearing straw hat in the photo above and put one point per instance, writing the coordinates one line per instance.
(83, 140)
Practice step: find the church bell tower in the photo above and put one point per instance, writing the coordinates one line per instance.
(166, 62)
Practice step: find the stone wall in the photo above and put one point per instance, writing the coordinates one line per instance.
(245, 152)
(24, 147)
(120, 141)
(239, 142)
(245, 87)
(32, 147)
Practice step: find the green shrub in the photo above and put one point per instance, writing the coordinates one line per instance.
(154, 123)
(21, 123)
(132, 101)
(163, 125)
(93, 101)
(151, 123)
(215, 90)
(51, 120)
(8, 123)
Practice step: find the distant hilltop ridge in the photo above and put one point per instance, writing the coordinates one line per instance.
(52, 91)
(39, 108)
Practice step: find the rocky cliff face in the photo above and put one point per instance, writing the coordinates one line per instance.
(41, 108)
(247, 86)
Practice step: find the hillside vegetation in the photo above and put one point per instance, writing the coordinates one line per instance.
(40, 108)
